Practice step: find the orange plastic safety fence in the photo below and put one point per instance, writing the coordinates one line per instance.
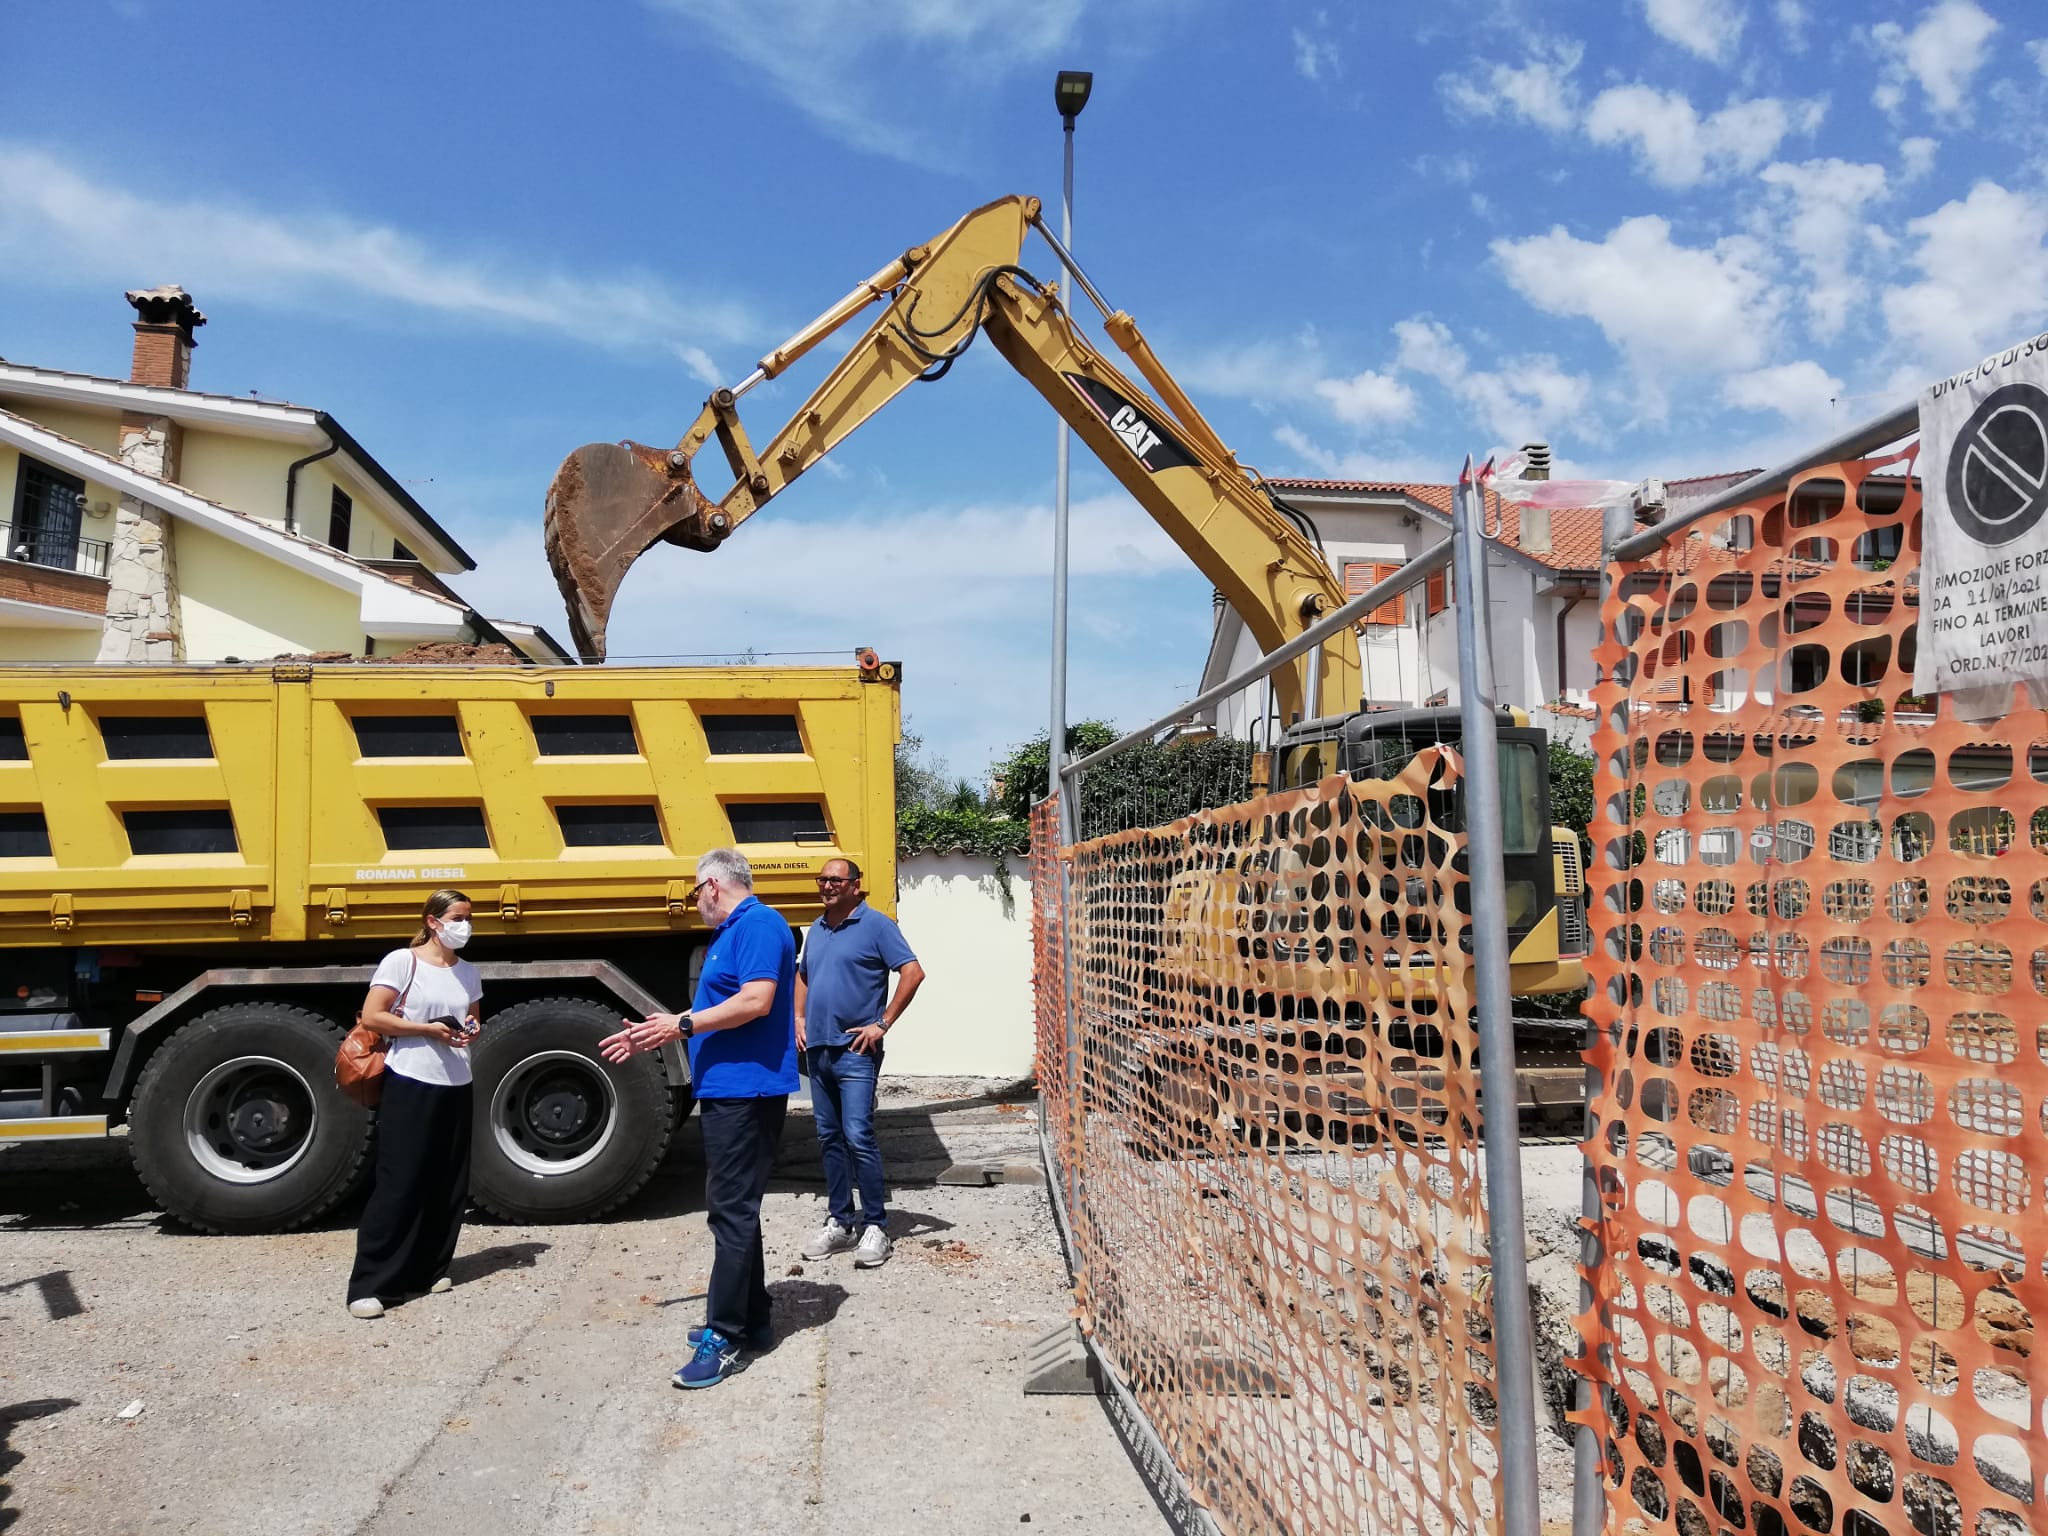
(1281, 1242)
(1818, 993)
(1049, 972)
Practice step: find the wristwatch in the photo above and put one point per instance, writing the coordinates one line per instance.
(685, 1027)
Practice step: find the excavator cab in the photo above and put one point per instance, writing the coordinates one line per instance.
(1545, 887)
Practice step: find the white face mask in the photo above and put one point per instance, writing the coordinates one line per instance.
(454, 932)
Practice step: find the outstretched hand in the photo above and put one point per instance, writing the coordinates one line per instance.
(649, 1034)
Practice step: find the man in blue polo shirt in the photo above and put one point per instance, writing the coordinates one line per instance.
(844, 1012)
(741, 1028)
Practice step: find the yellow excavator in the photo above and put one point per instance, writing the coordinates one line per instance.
(611, 502)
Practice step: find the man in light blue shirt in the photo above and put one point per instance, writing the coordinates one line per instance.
(843, 1014)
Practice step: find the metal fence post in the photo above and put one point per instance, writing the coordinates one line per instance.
(1589, 1488)
(1068, 789)
(1506, 1241)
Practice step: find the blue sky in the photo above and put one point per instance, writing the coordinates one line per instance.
(1669, 236)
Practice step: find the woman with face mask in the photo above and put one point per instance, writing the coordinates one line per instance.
(427, 1002)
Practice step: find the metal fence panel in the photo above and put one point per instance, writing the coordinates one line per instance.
(1818, 1004)
(1280, 1237)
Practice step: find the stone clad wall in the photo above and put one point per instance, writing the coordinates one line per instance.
(142, 564)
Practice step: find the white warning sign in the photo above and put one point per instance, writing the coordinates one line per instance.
(1984, 536)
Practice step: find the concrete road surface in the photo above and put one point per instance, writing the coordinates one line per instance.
(535, 1397)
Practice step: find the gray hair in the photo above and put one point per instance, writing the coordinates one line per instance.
(728, 866)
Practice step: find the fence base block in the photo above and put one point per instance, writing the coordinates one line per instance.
(1060, 1365)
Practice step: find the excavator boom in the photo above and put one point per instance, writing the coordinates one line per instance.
(611, 502)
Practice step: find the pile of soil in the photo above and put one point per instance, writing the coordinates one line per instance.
(429, 653)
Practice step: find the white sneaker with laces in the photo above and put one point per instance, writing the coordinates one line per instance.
(831, 1238)
(366, 1306)
(873, 1251)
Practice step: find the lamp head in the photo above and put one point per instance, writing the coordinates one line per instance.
(1070, 92)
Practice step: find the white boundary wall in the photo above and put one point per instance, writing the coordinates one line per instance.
(973, 1017)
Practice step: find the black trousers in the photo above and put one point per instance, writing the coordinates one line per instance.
(419, 1188)
(740, 1138)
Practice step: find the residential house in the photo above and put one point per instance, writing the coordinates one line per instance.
(149, 521)
(1542, 579)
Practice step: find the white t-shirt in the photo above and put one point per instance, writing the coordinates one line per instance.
(435, 992)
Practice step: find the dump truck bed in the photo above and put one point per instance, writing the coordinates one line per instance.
(144, 806)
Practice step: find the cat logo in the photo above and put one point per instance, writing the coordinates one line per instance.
(1151, 444)
(1136, 432)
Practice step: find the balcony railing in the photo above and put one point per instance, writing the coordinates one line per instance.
(55, 548)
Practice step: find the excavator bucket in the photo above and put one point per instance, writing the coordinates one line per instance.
(609, 502)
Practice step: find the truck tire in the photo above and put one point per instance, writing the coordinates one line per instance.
(561, 1133)
(236, 1125)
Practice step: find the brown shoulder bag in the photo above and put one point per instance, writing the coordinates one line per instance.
(359, 1064)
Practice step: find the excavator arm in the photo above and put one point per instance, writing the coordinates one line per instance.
(611, 502)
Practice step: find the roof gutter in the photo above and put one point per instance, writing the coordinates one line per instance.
(291, 483)
(338, 434)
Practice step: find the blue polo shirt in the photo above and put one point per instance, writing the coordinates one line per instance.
(758, 1059)
(846, 973)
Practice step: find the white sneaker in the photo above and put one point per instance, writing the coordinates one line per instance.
(441, 1287)
(831, 1238)
(366, 1306)
(873, 1251)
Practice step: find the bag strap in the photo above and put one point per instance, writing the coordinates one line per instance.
(412, 955)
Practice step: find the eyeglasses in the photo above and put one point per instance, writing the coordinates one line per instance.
(835, 880)
(698, 889)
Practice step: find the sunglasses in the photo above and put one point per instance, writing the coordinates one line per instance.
(698, 889)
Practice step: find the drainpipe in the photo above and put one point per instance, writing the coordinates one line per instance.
(1562, 614)
(291, 484)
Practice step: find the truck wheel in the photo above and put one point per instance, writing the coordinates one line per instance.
(236, 1125)
(561, 1133)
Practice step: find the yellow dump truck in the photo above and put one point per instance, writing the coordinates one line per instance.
(199, 866)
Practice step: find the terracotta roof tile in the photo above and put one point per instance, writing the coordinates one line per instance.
(1574, 531)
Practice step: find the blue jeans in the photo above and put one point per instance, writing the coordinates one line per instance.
(843, 1102)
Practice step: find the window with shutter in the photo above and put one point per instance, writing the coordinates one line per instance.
(1361, 576)
(1439, 591)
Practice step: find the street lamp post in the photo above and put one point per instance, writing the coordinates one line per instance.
(1070, 95)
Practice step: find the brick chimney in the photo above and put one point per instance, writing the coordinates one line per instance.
(165, 319)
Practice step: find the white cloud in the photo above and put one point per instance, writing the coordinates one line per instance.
(1667, 308)
(1984, 278)
(848, 74)
(1540, 90)
(1817, 210)
(1367, 399)
(1916, 158)
(1803, 392)
(64, 226)
(1942, 54)
(1523, 398)
(1259, 371)
(1269, 373)
(1315, 57)
(2037, 50)
(1792, 18)
(1678, 148)
(1356, 464)
(1711, 29)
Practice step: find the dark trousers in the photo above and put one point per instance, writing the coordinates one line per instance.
(419, 1188)
(843, 1104)
(740, 1138)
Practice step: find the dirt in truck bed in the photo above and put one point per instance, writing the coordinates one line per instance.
(429, 653)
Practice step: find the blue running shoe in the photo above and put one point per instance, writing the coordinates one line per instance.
(758, 1341)
(717, 1357)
